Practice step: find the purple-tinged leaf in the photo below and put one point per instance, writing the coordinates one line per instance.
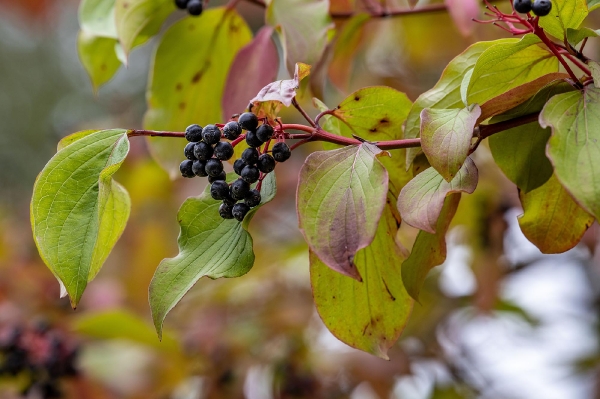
(463, 12)
(421, 200)
(341, 195)
(254, 66)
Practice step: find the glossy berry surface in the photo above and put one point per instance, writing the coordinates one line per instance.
(203, 151)
(211, 134)
(193, 133)
(221, 176)
(250, 156)
(199, 168)
(219, 190)
(240, 210)
(248, 121)
(281, 152)
(238, 165)
(195, 7)
(223, 150)
(214, 167)
(266, 163)
(181, 4)
(252, 139)
(265, 132)
(226, 211)
(188, 151)
(232, 130)
(239, 189)
(522, 6)
(186, 168)
(253, 198)
(541, 8)
(250, 174)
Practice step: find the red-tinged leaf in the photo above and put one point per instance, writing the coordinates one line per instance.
(463, 12)
(552, 220)
(429, 250)
(421, 200)
(341, 195)
(254, 67)
(446, 137)
(517, 96)
(346, 46)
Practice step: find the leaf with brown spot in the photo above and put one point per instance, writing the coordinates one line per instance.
(341, 195)
(553, 221)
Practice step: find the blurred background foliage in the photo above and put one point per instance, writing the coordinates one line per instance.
(497, 320)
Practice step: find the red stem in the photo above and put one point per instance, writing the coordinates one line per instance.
(539, 32)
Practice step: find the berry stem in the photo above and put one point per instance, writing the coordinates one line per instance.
(238, 140)
(577, 62)
(539, 32)
(304, 114)
(153, 133)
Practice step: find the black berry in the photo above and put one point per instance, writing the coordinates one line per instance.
(239, 189)
(265, 132)
(211, 134)
(186, 168)
(240, 210)
(541, 8)
(195, 7)
(250, 174)
(219, 190)
(193, 133)
(181, 4)
(214, 167)
(199, 168)
(188, 151)
(232, 130)
(250, 156)
(229, 200)
(238, 165)
(266, 163)
(253, 198)
(248, 121)
(222, 176)
(281, 152)
(223, 150)
(203, 151)
(252, 139)
(522, 6)
(226, 211)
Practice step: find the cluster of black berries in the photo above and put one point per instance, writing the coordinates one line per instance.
(541, 8)
(205, 154)
(38, 355)
(193, 7)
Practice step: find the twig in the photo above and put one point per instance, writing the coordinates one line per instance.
(304, 114)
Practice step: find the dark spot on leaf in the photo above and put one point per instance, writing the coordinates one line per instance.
(179, 87)
(125, 5)
(388, 290)
(373, 130)
(384, 121)
(356, 98)
(181, 106)
(333, 297)
(197, 77)
(103, 67)
(365, 329)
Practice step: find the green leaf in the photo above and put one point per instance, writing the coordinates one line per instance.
(78, 211)
(446, 137)
(188, 76)
(139, 20)
(347, 44)
(553, 221)
(209, 246)
(429, 250)
(574, 147)
(595, 69)
(341, 195)
(120, 324)
(593, 4)
(97, 54)
(574, 36)
(305, 25)
(446, 92)
(565, 14)
(509, 65)
(97, 17)
(521, 154)
(421, 200)
(368, 315)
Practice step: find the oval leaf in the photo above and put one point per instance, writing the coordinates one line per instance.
(446, 137)
(421, 200)
(341, 195)
(574, 147)
(208, 246)
(371, 315)
(346, 45)
(78, 211)
(188, 75)
(565, 14)
(97, 17)
(552, 220)
(98, 57)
